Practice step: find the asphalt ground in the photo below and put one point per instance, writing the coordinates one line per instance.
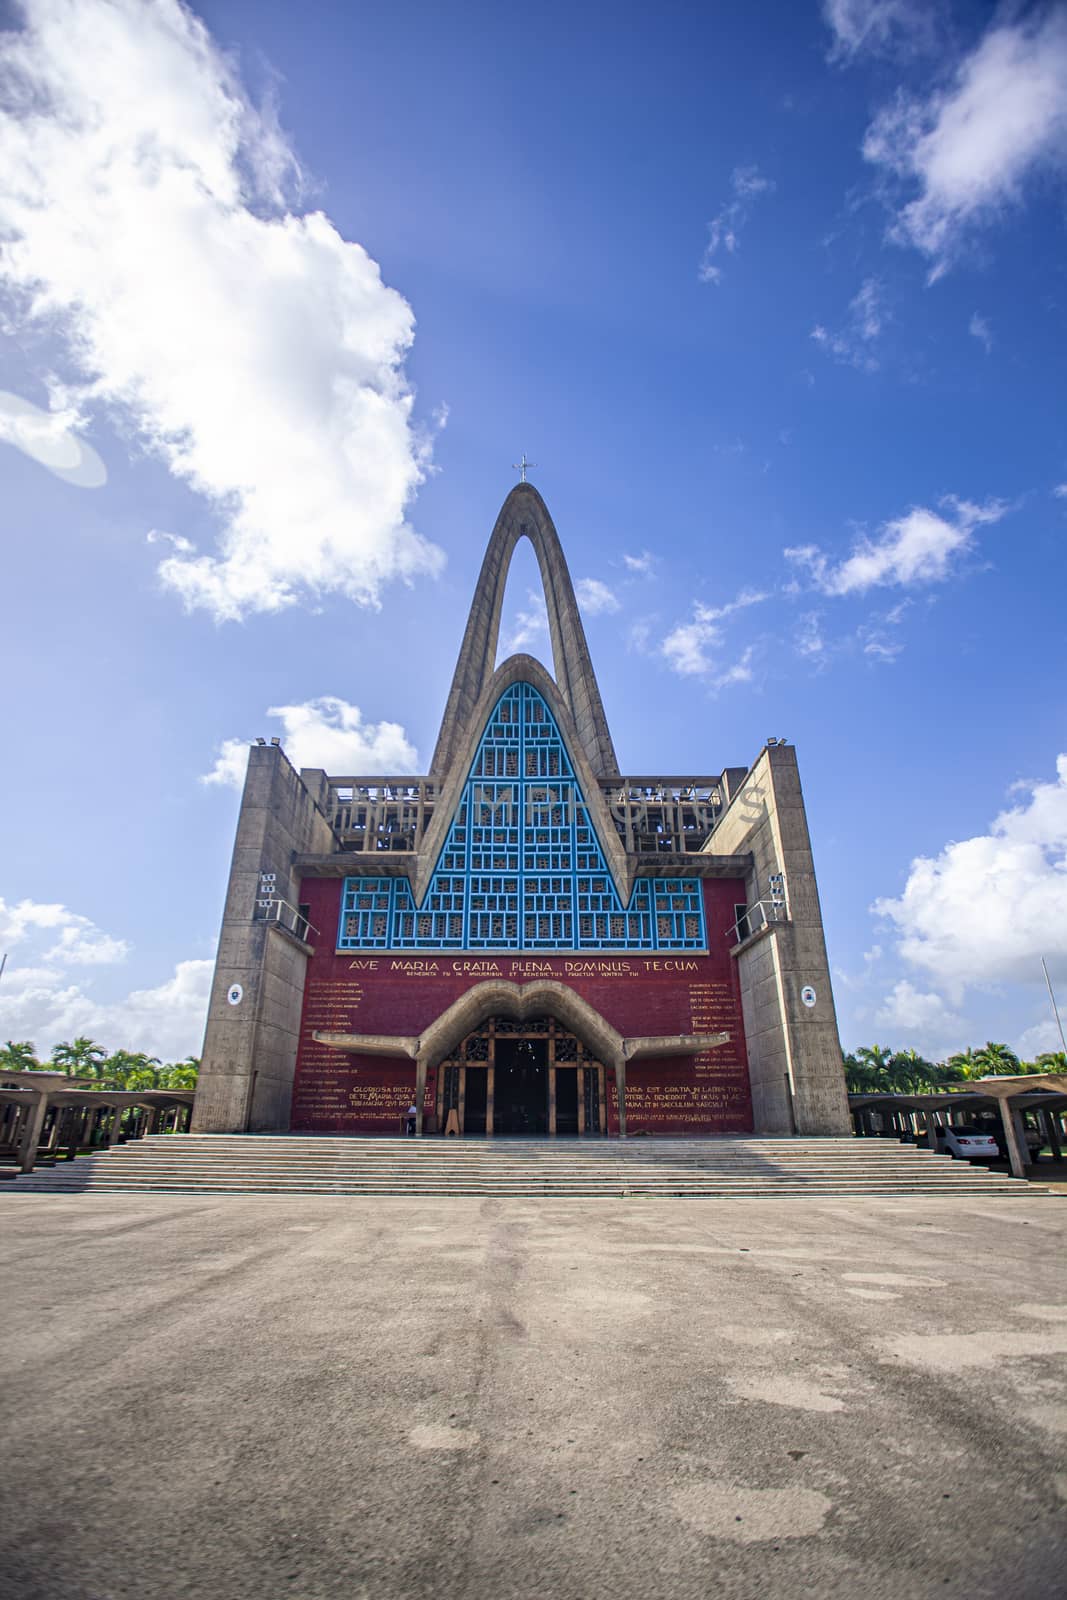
(231, 1397)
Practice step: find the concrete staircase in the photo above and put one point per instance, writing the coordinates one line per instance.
(290, 1164)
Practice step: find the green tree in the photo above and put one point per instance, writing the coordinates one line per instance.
(179, 1074)
(857, 1076)
(79, 1058)
(995, 1060)
(965, 1062)
(118, 1067)
(19, 1055)
(877, 1060)
(141, 1078)
(910, 1073)
(1051, 1061)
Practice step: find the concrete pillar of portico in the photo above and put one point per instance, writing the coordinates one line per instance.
(620, 1093)
(32, 1123)
(1052, 1134)
(1017, 1151)
(116, 1127)
(420, 1090)
(930, 1118)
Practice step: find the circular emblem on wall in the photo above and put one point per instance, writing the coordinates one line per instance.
(235, 994)
(807, 994)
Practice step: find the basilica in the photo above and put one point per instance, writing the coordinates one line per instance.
(523, 941)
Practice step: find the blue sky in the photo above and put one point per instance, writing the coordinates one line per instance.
(773, 295)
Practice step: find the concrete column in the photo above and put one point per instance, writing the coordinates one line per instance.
(116, 1127)
(1017, 1151)
(420, 1091)
(1052, 1134)
(620, 1090)
(32, 1123)
(72, 1137)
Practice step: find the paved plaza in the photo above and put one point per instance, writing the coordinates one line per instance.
(261, 1397)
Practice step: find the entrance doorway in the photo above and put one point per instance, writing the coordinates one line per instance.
(527, 1078)
(520, 1089)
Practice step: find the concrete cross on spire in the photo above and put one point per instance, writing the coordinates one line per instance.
(521, 466)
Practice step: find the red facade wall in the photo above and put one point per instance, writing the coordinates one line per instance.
(638, 994)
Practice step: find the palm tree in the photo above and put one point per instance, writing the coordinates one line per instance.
(858, 1078)
(180, 1074)
(965, 1062)
(877, 1059)
(996, 1060)
(79, 1058)
(19, 1056)
(910, 1072)
(1051, 1061)
(140, 1078)
(118, 1067)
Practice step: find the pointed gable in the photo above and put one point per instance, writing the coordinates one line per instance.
(521, 867)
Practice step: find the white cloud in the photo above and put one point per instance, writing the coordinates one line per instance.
(641, 566)
(79, 941)
(874, 635)
(876, 26)
(979, 329)
(594, 596)
(919, 547)
(1060, 491)
(145, 207)
(40, 1004)
(808, 639)
(328, 733)
(50, 438)
(686, 648)
(984, 910)
(854, 343)
(739, 672)
(724, 229)
(910, 1010)
(40, 1000)
(1041, 1037)
(530, 625)
(971, 148)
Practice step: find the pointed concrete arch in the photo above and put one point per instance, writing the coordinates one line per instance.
(520, 669)
(524, 515)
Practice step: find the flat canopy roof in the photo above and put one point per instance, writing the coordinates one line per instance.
(960, 1100)
(98, 1097)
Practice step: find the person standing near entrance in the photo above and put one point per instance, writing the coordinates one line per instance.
(412, 1115)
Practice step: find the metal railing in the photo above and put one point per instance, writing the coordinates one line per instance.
(287, 917)
(650, 815)
(757, 917)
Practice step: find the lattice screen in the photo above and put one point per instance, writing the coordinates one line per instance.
(522, 867)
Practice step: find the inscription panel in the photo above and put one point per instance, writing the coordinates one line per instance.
(636, 993)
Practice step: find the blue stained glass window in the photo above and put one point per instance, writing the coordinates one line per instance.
(522, 867)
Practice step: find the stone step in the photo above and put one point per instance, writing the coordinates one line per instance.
(338, 1168)
(434, 1168)
(497, 1191)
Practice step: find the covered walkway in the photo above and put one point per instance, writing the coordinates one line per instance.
(1022, 1105)
(48, 1116)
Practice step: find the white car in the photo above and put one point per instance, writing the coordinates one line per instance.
(967, 1144)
